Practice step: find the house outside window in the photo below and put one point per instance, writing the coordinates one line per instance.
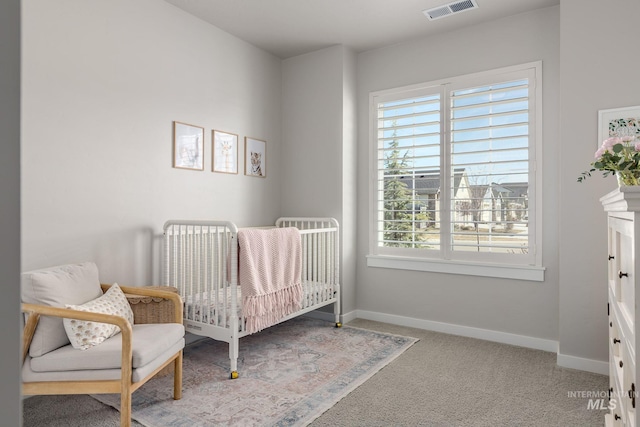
(455, 177)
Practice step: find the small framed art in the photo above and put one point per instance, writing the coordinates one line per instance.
(188, 146)
(255, 157)
(618, 122)
(225, 152)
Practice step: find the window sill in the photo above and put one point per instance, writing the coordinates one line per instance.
(518, 272)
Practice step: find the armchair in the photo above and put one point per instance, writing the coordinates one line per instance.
(119, 364)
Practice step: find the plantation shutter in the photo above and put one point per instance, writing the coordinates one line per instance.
(490, 167)
(454, 171)
(408, 169)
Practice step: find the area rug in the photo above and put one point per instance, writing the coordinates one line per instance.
(289, 375)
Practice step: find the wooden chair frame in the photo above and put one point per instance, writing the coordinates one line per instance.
(124, 385)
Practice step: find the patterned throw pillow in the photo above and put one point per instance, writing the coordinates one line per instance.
(85, 334)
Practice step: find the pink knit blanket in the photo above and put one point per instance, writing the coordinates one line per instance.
(269, 266)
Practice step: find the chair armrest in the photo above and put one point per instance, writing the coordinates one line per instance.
(27, 334)
(68, 313)
(36, 310)
(145, 291)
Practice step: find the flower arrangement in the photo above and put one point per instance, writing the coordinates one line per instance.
(618, 155)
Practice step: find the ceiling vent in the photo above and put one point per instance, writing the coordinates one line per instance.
(450, 9)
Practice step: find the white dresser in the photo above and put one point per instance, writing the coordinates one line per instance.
(623, 210)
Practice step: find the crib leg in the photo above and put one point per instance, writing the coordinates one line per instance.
(336, 310)
(233, 356)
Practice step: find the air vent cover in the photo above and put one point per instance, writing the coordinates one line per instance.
(450, 9)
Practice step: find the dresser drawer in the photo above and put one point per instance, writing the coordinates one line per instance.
(626, 398)
(615, 340)
(621, 266)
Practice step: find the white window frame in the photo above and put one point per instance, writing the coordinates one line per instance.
(446, 261)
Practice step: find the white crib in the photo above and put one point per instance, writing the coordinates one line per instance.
(197, 260)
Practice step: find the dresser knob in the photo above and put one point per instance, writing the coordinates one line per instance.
(621, 363)
(616, 340)
(611, 324)
(611, 257)
(621, 274)
(617, 417)
(632, 395)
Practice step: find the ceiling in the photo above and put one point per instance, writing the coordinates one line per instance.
(288, 28)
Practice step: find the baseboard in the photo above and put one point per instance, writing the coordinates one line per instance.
(589, 365)
(190, 338)
(330, 317)
(465, 331)
(348, 317)
(573, 362)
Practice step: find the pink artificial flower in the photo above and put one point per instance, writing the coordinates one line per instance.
(610, 142)
(627, 138)
(607, 145)
(638, 146)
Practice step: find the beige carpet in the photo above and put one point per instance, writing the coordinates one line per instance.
(442, 380)
(445, 380)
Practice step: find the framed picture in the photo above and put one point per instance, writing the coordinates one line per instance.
(188, 146)
(618, 122)
(255, 157)
(225, 152)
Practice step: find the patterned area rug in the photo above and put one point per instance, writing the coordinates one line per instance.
(289, 375)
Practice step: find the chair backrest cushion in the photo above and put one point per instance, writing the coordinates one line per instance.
(56, 287)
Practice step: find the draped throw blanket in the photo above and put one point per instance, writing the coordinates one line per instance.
(269, 267)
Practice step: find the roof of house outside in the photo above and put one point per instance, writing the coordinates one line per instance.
(513, 190)
(427, 182)
(519, 189)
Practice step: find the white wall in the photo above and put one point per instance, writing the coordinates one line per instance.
(319, 146)
(598, 72)
(102, 83)
(509, 306)
(10, 406)
(312, 133)
(349, 168)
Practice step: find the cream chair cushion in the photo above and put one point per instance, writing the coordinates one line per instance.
(57, 286)
(153, 344)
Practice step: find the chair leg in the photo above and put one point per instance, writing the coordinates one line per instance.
(125, 407)
(177, 377)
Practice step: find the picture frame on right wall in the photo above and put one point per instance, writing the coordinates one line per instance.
(255, 157)
(618, 122)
